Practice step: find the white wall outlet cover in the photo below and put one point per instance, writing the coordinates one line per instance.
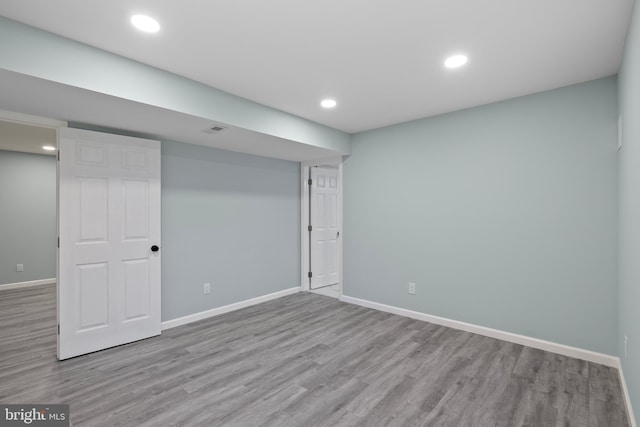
(412, 288)
(20, 267)
(207, 288)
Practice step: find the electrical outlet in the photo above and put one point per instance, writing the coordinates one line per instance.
(207, 288)
(412, 288)
(626, 346)
(20, 267)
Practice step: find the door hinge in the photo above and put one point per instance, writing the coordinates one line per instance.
(310, 182)
(58, 328)
(309, 228)
(58, 154)
(58, 243)
(310, 275)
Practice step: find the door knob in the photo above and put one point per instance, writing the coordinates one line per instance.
(155, 248)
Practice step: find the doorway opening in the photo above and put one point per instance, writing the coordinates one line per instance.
(321, 220)
(28, 232)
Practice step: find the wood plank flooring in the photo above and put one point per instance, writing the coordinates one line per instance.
(303, 360)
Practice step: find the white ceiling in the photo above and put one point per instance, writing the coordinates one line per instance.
(381, 60)
(25, 138)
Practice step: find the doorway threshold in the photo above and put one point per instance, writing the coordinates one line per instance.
(332, 291)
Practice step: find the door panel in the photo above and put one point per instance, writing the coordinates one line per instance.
(91, 154)
(93, 296)
(136, 283)
(135, 196)
(109, 217)
(324, 222)
(92, 197)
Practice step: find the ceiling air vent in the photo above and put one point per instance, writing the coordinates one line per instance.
(214, 129)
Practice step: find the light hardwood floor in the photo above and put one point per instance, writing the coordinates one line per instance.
(303, 360)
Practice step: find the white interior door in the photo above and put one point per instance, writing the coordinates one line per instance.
(109, 219)
(324, 227)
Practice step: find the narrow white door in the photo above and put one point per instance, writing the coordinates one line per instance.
(109, 228)
(324, 227)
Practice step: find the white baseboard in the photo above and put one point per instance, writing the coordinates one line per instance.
(565, 350)
(168, 324)
(27, 284)
(627, 399)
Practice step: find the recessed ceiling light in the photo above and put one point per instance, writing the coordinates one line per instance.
(455, 61)
(145, 23)
(49, 148)
(328, 103)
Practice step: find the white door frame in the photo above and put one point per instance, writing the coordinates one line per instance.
(304, 218)
(27, 119)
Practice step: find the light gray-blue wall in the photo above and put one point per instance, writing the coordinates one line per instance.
(629, 156)
(229, 219)
(503, 215)
(27, 216)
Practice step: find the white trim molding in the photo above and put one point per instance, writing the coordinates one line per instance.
(173, 323)
(27, 284)
(565, 350)
(27, 119)
(625, 392)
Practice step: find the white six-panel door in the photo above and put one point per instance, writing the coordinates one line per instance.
(324, 223)
(109, 219)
